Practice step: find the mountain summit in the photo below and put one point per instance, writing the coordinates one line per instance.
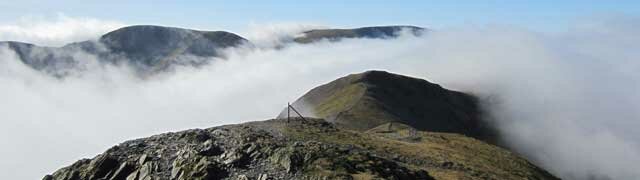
(155, 45)
(377, 98)
(426, 141)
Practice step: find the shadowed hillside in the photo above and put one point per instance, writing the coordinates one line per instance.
(151, 49)
(158, 46)
(364, 32)
(146, 48)
(373, 98)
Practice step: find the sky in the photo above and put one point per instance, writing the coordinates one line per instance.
(543, 15)
(540, 58)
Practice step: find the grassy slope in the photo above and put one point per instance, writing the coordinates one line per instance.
(366, 100)
(443, 155)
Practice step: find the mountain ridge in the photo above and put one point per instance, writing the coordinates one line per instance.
(372, 32)
(150, 48)
(291, 147)
(366, 100)
(147, 48)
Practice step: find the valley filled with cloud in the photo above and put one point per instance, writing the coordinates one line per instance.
(568, 101)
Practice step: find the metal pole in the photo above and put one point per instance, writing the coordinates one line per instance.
(288, 109)
(296, 111)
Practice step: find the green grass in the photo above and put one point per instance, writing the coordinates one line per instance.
(470, 158)
(340, 100)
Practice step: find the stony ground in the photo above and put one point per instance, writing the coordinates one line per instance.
(300, 149)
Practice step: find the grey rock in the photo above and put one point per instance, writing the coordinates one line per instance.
(263, 177)
(122, 172)
(143, 159)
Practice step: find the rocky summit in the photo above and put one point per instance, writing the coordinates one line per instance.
(396, 139)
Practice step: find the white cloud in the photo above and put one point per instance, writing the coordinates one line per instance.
(55, 31)
(567, 101)
(270, 35)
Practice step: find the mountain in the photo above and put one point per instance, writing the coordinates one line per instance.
(374, 32)
(377, 98)
(311, 148)
(158, 46)
(146, 48)
(52, 60)
(150, 49)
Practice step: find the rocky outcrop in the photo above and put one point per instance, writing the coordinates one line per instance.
(301, 149)
(247, 151)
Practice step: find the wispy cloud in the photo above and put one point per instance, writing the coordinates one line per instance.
(55, 31)
(270, 35)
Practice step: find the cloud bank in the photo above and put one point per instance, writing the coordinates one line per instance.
(274, 35)
(567, 101)
(55, 31)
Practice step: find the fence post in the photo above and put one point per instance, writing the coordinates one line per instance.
(296, 111)
(288, 109)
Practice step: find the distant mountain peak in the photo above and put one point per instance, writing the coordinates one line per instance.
(147, 48)
(153, 45)
(146, 35)
(150, 48)
(373, 32)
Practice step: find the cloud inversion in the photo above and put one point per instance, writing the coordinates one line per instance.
(567, 101)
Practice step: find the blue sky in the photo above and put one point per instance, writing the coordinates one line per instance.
(237, 14)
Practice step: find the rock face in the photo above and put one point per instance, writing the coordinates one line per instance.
(370, 99)
(310, 148)
(364, 32)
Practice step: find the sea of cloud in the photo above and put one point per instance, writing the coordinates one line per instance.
(568, 101)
